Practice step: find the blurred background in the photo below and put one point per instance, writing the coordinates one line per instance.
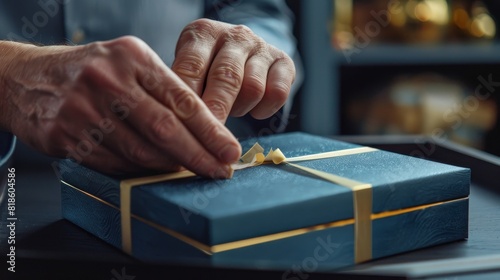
(400, 67)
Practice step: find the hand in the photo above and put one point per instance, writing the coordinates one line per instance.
(233, 70)
(115, 107)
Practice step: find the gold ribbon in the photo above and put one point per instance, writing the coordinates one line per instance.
(362, 197)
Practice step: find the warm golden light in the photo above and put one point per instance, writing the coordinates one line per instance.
(439, 11)
(461, 18)
(344, 40)
(435, 11)
(422, 12)
(398, 17)
(483, 26)
(341, 26)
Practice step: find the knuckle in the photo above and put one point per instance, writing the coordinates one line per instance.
(240, 33)
(96, 72)
(185, 104)
(254, 85)
(202, 24)
(190, 35)
(229, 75)
(191, 66)
(165, 127)
(198, 29)
(96, 49)
(280, 91)
(286, 63)
(218, 108)
(211, 131)
(128, 47)
(93, 53)
(130, 41)
(175, 93)
(262, 49)
(139, 153)
(197, 160)
(91, 68)
(286, 60)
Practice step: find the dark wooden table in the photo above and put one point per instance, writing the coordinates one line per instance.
(49, 247)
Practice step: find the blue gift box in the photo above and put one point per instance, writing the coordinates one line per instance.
(278, 214)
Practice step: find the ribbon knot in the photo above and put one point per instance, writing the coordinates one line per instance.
(255, 156)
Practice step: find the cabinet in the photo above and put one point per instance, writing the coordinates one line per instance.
(335, 78)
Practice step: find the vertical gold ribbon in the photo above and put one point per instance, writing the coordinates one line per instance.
(362, 193)
(125, 201)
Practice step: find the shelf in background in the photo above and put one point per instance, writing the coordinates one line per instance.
(397, 54)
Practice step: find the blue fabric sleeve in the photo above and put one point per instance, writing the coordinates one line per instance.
(7, 144)
(270, 19)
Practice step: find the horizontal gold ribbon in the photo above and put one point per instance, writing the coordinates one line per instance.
(266, 238)
(362, 194)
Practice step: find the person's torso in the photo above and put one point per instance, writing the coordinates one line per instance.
(157, 22)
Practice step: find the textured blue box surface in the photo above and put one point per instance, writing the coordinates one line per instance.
(270, 199)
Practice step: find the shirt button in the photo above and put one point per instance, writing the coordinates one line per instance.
(78, 36)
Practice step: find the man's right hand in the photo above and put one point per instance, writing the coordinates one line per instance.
(113, 106)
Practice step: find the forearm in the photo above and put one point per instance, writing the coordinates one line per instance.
(11, 53)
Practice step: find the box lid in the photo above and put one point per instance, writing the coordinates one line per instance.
(268, 199)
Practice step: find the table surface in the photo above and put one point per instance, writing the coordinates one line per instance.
(49, 246)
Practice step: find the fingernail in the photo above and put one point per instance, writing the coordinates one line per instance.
(230, 154)
(224, 172)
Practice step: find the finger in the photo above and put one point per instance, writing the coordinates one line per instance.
(224, 80)
(198, 120)
(179, 124)
(193, 54)
(96, 146)
(83, 150)
(279, 83)
(164, 130)
(121, 139)
(107, 161)
(253, 86)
